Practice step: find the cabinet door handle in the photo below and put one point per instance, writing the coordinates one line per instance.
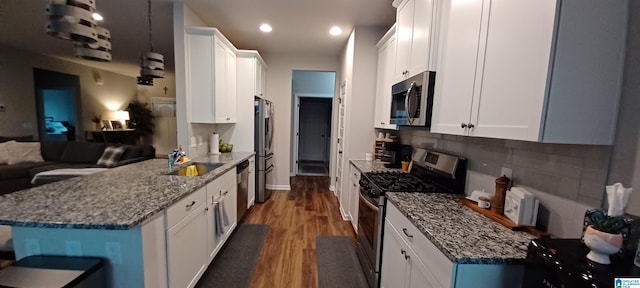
(206, 209)
(470, 125)
(191, 205)
(404, 230)
(382, 123)
(403, 252)
(225, 193)
(228, 119)
(354, 185)
(463, 125)
(406, 256)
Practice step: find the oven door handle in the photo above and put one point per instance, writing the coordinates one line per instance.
(371, 206)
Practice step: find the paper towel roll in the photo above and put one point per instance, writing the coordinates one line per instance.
(214, 147)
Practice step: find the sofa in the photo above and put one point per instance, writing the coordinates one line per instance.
(60, 155)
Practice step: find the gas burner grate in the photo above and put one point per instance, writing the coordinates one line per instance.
(400, 182)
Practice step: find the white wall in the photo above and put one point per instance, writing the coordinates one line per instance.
(279, 76)
(625, 158)
(18, 96)
(359, 68)
(183, 17)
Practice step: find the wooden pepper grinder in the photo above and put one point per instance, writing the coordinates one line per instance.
(497, 205)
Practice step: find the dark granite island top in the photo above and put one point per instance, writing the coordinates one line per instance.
(461, 234)
(117, 199)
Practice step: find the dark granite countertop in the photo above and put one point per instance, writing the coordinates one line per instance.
(372, 166)
(461, 234)
(117, 199)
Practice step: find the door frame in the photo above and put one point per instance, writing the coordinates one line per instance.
(296, 125)
(44, 79)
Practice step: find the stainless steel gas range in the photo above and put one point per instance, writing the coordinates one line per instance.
(435, 172)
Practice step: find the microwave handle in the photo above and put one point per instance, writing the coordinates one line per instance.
(406, 102)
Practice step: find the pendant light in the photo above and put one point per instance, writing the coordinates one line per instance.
(99, 51)
(72, 20)
(151, 63)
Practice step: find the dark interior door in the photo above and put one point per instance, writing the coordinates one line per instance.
(314, 129)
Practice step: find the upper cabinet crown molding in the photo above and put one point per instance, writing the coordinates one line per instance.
(533, 70)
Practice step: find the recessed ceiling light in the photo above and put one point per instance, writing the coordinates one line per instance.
(97, 17)
(335, 31)
(265, 28)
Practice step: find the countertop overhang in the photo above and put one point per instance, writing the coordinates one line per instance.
(117, 199)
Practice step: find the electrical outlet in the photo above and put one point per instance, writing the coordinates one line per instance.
(74, 248)
(507, 172)
(32, 247)
(114, 252)
(194, 143)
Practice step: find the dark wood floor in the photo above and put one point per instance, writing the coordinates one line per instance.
(295, 218)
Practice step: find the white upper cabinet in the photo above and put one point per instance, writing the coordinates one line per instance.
(386, 64)
(252, 72)
(415, 34)
(260, 77)
(530, 70)
(211, 76)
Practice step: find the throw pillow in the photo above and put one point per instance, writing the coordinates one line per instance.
(4, 152)
(111, 156)
(20, 152)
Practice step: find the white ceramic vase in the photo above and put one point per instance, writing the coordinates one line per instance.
(601, 244)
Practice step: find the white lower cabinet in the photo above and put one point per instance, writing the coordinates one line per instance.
(401, 266)
(354, 192)
(187, 240)
(409, 259)
(192, 237)
(222, 193)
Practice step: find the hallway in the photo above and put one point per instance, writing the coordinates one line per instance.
(295, 218)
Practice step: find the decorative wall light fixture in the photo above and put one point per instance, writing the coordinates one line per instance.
(151, 63)
(75, 20)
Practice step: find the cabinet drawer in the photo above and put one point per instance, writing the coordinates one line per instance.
(215, 187)
(428, 253)
(182, 208)
(355, 175)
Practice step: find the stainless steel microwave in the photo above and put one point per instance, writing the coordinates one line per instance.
(412, 100)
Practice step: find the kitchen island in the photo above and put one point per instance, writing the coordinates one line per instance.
(123, 214)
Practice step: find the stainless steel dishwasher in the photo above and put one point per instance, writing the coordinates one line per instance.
(242, 173)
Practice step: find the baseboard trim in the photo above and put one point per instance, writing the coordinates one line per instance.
(332, 188)
(278, 187)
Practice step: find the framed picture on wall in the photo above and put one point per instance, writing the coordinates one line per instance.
(115, 124)
(106, 125)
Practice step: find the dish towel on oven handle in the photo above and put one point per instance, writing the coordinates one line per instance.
(222, 218)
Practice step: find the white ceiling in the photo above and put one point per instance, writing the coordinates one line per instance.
(299, 26)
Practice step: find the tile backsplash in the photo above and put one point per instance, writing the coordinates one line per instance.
(567, 179)
(573, 172)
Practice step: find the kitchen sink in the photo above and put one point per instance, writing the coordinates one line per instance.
(201, 168)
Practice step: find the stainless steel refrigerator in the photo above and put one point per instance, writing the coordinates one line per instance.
(264, 146)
